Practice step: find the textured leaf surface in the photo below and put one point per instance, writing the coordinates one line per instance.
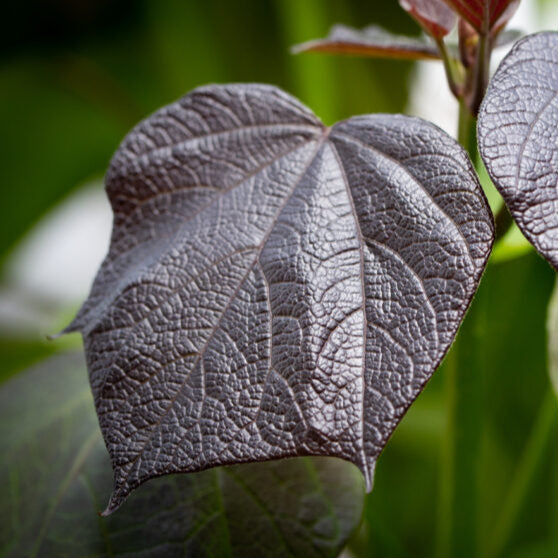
(371, 41)
(434, 16)
(274, 287)
(57, 474)
(518, 138)
(485, 15)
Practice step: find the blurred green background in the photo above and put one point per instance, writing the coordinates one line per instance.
(76, 75)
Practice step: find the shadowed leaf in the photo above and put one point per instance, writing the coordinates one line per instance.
(58, 474)
(518, 138)
(485, 15)
(372, 41)
(275, 288)
(434, 16)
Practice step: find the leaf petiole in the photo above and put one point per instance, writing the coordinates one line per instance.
(481, 73)
(453, 68)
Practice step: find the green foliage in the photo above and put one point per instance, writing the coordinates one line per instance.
(19, 354)
(57, 475)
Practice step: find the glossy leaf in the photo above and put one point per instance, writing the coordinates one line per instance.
(518, 135)
(372, 41)
(485, 15)
(275, 287)
(434, 16)
(57, 475)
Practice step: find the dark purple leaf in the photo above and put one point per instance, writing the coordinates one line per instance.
(372, 41)
(518, 138)
(485, 15)
(274, 287)
(434, 16)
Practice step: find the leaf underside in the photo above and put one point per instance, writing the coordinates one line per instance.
(57, 475)
(434, 16)
(275, 288)
(372, 41)
(518, 138)
(485, 15)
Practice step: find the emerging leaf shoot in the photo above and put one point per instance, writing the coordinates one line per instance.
(434, 16)
(485, 15)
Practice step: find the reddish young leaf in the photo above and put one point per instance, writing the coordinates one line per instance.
(434, 16)
(372, 41)
(485, 15)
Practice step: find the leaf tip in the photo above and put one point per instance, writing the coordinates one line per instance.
(117, 498)
(54, 336)
(68, 329)
(368, 472)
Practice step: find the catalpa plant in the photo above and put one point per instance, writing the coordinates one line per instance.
(278, 288)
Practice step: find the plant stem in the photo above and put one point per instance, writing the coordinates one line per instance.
(482, 70)
(452, 69)
(466, 131)
(465, 371)
(458, 533)
(502, 221)
(541, 435)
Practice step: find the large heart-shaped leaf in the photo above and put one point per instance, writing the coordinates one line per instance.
(434, 16)
(372, 41)
(275, 287)
(485, 15)
(518, 138)
(57, 473)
